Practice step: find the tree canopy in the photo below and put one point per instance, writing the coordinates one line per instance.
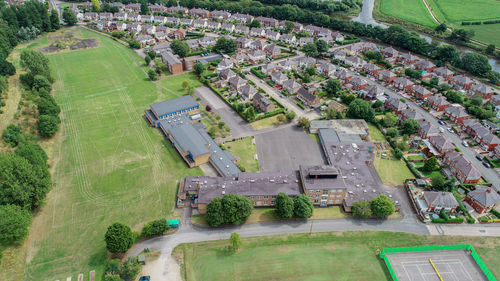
(310, 50)
(180, 48)
(382, 206)
(303, 207)
(284, 206)
(361, 109)
(230, 209)
(225, 45)
(410, 126)
(362, 209)
(119, 238)
(69, 17)
(14, 223)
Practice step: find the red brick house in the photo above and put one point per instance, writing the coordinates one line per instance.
(402, 83)
(462, 81)
(456, 113)
(443, 72)
(420, 92)
(437, 201)
(343, 76)
(442, 144)
(424, 65)
(371, 69)
(461, 167)
(386, 76)
(358, 83)
(426, 130)
(437, 102)
(395, 105)
(484, 91)
(482, 199)
(409, 113)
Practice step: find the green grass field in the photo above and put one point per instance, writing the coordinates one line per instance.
(109, 165)
(392, 172)
(410, 10)
(488, 33)
(457, 11)
(375, 134)
(174, 83)
(266, 123)
(245, 150)
(319, 256)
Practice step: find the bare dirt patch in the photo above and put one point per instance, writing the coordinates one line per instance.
(68, 41)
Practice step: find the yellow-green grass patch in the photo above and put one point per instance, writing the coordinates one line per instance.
(245, 150)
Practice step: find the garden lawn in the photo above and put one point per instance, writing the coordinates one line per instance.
(392, 172)
(266, 123)
(375, 134)
(174, 82)
(245, 150)
(317, 256)
(109, 166)
(409, 10)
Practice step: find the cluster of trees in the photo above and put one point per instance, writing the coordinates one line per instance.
(180, 48)
(361, 109)
(225, 45)
(38, 79)
(286, 207)
(69, 16)
(228, 209)
(24, 182)
(315, 49)
(247, 112)
(119, 271)
(380, 206)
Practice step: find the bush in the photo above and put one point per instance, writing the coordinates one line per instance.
(154, 228)
(152, 74)
(241, 167)
(48, 125)
(130, 268)
(496, 213)
(13, 135)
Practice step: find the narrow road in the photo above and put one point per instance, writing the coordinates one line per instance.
(430, 12)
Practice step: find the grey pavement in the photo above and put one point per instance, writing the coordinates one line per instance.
(238, 126)
(286, 148)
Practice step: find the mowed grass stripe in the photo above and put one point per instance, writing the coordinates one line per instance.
(409, 10)
(112, 167)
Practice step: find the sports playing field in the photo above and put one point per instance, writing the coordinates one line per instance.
(320, 256)
(109, 165)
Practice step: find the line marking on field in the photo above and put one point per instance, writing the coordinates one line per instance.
(106, 92)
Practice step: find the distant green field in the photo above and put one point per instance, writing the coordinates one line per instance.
(109, 166)
(319, 256)
(488, 33)
(410, 10)
(457, 11)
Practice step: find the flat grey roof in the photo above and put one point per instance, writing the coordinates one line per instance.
(347, 126)
(186, 137)
(173, 105)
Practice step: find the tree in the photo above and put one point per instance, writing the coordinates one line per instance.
(438, 182)
(382, 206)
(302, 206)
(434, 81)
(347, 98)
(215, 216)
(225, 45)
(362, 209)
(48, 125)
(35, 63)
(290, 115)
(235, 242)
(180, 48)
(14, 223)
(361, 109)
(333, 86)
(69, 17)
(461, 35)
(392, 132)
(22, 183)
(40, 82)
(373, 56)
(96, 5)
(289, 26)
(490, 49)
(311, 71)
(147, 59)
(119, 238)
(152, 74)
(441, 28)
(156, 227)
(476, 100)
(250, 114)
(198, 68)
(132, 43)
(306, 78)
(283, 206)
(454, 97)
(303, 122)
(447, 53)
(475, 63)
(415, 74)
(130, 268)
(113, 266)
(13, 135)
(331, 113)
(255, 23)
(377, 104)
(321, 46)
(310, 50)
(54, 20)
(410, 126)
(144, 7)
(390, 120)
(185, 84)
(7, 68)
(430, 164)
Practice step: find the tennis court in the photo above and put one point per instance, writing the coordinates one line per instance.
(450, 265)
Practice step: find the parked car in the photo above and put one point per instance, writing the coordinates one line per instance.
(464, 143)
(441, 122)
(145, 278)
(486, 164)
(479, 157)
(441, 129)
(450, 130)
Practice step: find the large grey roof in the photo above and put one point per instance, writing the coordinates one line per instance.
(186, 137)
(486, 196)
(173, 105)
(442, 199)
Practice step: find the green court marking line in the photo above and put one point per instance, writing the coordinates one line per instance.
(106, 92)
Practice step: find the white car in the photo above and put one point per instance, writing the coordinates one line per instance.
(464, 143)
(441, 129)
(450, 130)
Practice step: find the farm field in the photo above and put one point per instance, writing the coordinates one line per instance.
(410, 10)
(108, 166)
(485, 33)
(456, 11)
(318, 256)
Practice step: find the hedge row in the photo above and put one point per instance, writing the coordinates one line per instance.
(256, 72)
(479, 23)
(496, 213)
(270, 114)
(441, 220)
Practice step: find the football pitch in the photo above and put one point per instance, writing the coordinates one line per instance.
(109, 165)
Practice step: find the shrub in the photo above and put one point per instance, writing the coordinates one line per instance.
(241, 167)
(48, 125)
(496, 213)
(13, 135)
(156, 227)
(14, 223)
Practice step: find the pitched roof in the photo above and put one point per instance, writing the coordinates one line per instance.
(486, 196)
(440, 199)
(441, 143)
